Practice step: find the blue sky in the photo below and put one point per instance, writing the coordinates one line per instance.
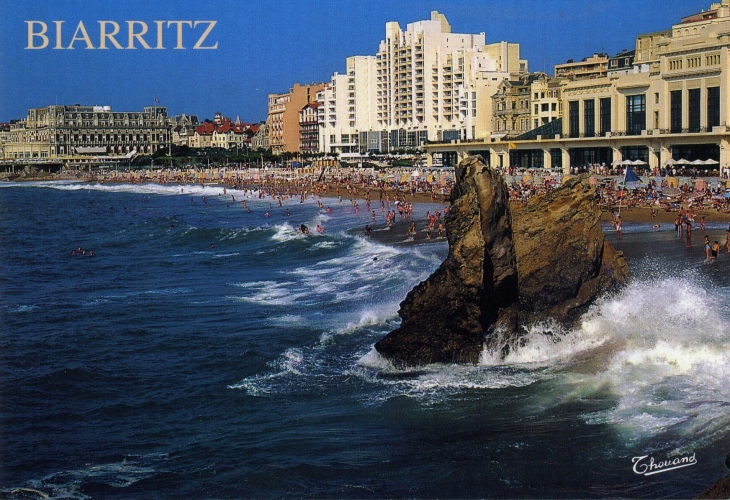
(266, 46)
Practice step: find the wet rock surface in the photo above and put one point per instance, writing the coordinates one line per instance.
(505, 271)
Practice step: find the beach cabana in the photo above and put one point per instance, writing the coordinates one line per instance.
(700, 184)
(673, 182)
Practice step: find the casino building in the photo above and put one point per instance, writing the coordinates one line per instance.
(74, 134)
(671, 104)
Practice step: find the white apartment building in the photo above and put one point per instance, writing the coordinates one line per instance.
(425, 84)
(430, 81)
(347, 106)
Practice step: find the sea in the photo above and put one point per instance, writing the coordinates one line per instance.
(206, 351)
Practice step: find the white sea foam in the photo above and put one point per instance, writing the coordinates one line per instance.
(285, 232)
(23, 308)
(68, 484)
(292, 363)
(660, 350)
(269, 293)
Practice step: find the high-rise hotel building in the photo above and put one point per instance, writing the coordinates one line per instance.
(425, 84)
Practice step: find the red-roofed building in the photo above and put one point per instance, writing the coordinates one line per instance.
(223, 133)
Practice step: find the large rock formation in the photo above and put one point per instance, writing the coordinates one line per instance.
(504, 273)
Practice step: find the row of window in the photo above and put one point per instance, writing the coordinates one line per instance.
(636, 113)
(604, 110)
(694, 62)
(546, 107)
(693, 111)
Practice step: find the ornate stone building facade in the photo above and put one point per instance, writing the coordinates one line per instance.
(69, 132)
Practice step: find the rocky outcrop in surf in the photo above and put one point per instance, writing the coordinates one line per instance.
(547, 262)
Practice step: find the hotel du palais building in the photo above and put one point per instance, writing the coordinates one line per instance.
(77, 134)
(666, 101)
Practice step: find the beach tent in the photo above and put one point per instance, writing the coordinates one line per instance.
(631, 180)
(673, 182)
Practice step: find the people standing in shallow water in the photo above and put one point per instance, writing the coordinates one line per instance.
(688, 229)
(714, 251)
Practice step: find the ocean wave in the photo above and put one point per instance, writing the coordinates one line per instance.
(438, 383)
(271, 293)
(120, 474)
(22, 308)
(292, 363)
(664, 363)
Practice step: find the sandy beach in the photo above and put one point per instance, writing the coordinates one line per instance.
(641, 214)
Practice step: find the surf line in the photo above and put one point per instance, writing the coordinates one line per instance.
(650, 467)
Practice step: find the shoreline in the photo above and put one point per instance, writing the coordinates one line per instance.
(358, 192)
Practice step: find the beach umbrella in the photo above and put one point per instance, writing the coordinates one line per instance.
(697, 162)
(682, 161)
(638, 162)
(711, 162)
(670, 162)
